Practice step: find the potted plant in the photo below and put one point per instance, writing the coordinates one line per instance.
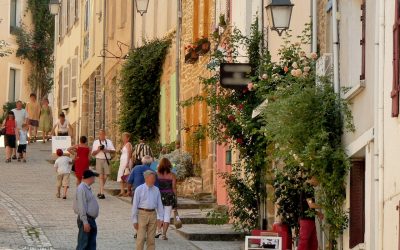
(222, 22)
(203, 45)
(190, 54)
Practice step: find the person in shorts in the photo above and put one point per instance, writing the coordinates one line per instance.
(102, 150)
(11, 132)
(33, 112)
(63, 166)
(23, 142)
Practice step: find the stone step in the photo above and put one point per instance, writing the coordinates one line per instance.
(201, 232)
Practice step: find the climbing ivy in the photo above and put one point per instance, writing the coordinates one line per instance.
(4, 50)
(36, 45)
(140, 89)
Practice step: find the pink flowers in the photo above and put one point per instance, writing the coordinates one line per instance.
(250, 86)
(296, 72)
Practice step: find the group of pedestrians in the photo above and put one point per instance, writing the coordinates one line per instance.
(20, 127)
(153, 192)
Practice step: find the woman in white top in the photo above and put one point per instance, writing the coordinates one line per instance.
(125, 163)
(64, 128)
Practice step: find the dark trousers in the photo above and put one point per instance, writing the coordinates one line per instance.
(308, 235)
(87, 241)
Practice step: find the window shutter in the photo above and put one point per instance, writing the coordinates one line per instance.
(77, 8)
(65, 20)
(71, 13)
(65, 92)
(74, 78)
(362, 42)
(395, 88)
(357, 204)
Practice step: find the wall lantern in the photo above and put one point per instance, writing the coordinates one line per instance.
(54, 7)
(279, 14)
(141, 6)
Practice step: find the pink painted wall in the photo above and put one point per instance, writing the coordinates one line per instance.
(221, 192)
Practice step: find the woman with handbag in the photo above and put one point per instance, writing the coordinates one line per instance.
(167, 186)
(82, 160)
(125, 164)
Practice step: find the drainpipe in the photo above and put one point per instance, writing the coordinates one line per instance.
(178, 57)
(133, 25)
(314, 26)
(336, 83)
(103, 67)
(381, 121)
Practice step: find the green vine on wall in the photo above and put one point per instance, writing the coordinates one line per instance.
(37, 45)
(4, 50)
(140, 89)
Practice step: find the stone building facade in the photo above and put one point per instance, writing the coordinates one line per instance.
(197, 22)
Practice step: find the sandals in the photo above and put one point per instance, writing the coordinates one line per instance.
(58, 195)
(158, 234)
(164, 237)
(8, 160)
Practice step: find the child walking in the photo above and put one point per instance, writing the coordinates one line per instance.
(82, 152)
(63, 169)
(23, 142)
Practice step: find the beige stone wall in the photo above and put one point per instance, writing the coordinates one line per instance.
(190, 87)
(12, 61)
(323, 22)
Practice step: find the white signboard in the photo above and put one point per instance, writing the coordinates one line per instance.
(60, 142)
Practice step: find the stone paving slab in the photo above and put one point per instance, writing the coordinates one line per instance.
(33, 218)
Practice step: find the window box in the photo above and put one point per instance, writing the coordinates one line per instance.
(191, 56)
(203, 48)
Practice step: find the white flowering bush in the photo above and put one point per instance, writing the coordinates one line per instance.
(182, 162)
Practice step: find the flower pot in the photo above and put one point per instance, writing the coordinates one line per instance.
(203, 48)
(191, 56)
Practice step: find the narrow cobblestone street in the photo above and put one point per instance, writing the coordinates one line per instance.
(31, 217)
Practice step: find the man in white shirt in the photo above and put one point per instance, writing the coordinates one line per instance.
(146, 210)
(20, 118)
(102, 150)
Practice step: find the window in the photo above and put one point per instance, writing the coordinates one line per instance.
(60, 23)
(13, 15)
(196, 9)
(76, 10)
(14, 85)
(86, 38)
(74, 78)
(362, 42)
(71, 14)
(65, 87)
(64, 13)
(396, 40)
(357, 204)
(206, 18)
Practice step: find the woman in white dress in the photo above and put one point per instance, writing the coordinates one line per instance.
(125, 163)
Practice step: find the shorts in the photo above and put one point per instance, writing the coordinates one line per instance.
(63, 180)
(21, 148)
(10, 141)
(33, 123)
(167, 214)
(62, 134)
(102, 167)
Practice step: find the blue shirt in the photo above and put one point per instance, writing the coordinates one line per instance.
(148, 198)
(136, 178)
(23, 137)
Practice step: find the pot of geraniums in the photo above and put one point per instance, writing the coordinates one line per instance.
(190, 54)
(203, 45)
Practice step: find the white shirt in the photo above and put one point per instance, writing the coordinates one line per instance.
(148, 198)
(107, 145)
(62, 128)
(63, 165)
(20, 117)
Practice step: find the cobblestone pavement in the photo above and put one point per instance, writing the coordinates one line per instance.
(31, 217)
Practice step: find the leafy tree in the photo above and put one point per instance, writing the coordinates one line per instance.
(140, 89)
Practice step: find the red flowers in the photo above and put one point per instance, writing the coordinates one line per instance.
(240, 140)
(231, 118)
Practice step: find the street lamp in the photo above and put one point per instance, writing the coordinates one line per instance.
(54, 7)
(141, 6)
(279, 13)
